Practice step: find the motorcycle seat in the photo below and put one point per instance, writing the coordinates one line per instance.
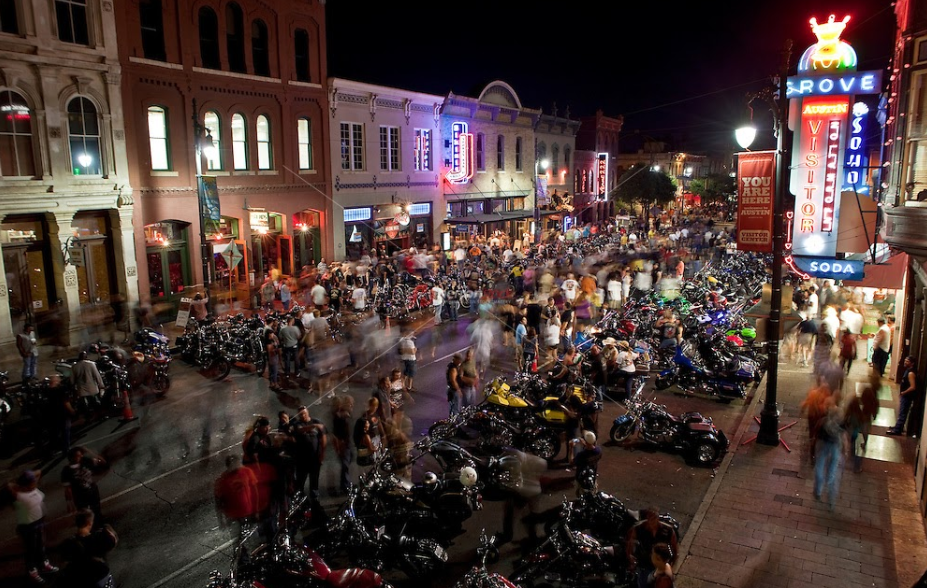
(353, 577)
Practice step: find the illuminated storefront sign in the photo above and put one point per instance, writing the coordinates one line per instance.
(601, 176)
(833, 269)
(756, 188)
(864, 82)
(816, 173)
(828, 67)
(461, 154)
(857, 161)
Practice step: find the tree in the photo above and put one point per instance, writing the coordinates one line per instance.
(644, 186)
(713, 188)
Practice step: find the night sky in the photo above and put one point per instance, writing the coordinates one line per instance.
(675, 70)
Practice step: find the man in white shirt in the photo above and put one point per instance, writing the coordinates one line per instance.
(813, 307)
(409, 355)
(881, 344)
(614, 292)
(569, 287)
(437, 300)
(318, 294)
(460, 256)
(508, 255)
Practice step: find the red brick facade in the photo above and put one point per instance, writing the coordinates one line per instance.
(252, 60)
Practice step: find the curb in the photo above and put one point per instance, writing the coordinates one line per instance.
(709, 498)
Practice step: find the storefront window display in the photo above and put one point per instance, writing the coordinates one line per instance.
(168, 256)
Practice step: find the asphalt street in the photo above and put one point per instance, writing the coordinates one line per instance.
(157, 492)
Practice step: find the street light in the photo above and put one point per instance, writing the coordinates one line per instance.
(775, 98)
(204, 145)
(539, 164)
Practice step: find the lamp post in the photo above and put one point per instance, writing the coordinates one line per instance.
(539, 164)
(203, 144)
(775, 98)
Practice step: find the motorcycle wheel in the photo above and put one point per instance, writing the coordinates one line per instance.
(546, 445)
(705, 452)
(621, 432)
(219, 369)
(664, 382)
(161, 384)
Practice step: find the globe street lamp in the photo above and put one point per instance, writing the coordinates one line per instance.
(775, 98)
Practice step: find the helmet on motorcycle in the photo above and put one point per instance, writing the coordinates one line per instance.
(468, 476)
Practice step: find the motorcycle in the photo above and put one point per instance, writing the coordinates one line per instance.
(479, 576)
(691, 375)
(690, 433)
(499, 475)
(151, 351)
(201, 345)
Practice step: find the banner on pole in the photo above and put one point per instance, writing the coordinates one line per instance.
(756, 193)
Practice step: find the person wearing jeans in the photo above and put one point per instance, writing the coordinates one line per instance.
(828, 457)
(907, 389)
(29, 503)
(28, 350)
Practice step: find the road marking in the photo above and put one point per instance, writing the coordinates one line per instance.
(451, 354)
(192, 564)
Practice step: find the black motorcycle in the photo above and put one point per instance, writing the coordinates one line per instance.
(689, 433)
(479, 576)
(245, 344)
(202, 345)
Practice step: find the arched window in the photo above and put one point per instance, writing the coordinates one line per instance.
(566, 156)
(239, 142)
(519, 154)
(480, 152)
(72, 21)
(235, 37)
(84, 138)
(214, 156)
(500, 153)
(260, 48)
(542, 155)
(264, 150)
(209, 39)
(301, 55)
(304, 139)
(555, 159)
(152, 22)
(16, 155)
(158, 139)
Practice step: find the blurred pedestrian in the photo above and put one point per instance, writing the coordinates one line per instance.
(272, 347)
(907, 394)
(80, 487)
(236, 498)
(86, 553)
(310, 439)
(29, 503)
(814, 408)
(869, 401)
(28, 349)
(87, 381)
(454, 391)
(642, 538)
(829, 451)
(880, 345)
(468, 375)
(408, 354)
(342, 409)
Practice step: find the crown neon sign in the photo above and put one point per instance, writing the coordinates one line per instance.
(830, 53)
(461, 154)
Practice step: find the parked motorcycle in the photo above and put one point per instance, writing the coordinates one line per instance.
(201, 345)
(479, 576)
(691, 375)
(690, 433)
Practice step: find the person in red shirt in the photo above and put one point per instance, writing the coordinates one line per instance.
(236, 493)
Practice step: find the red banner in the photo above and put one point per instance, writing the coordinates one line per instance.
(756, 192)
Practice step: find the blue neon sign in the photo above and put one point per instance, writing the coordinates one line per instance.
(861, 82)
(857, 161)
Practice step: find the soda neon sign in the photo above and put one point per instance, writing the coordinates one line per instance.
(856, 161)
(461, 154)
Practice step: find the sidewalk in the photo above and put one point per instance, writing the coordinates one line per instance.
(760, 525)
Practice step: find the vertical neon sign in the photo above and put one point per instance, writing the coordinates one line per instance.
(461, 154)
(601, 185)
(856, 161)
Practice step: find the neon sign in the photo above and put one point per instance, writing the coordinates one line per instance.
(829, 66)
(830, 53)
(864, 82)
(816, 175)
(461, 154)
(856, 161)
(601, 184)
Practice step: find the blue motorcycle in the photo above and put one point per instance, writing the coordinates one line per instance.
(690, 373)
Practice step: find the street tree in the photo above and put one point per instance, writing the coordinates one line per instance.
(646, 187)
(713, 188)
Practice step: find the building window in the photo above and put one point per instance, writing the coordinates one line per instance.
(264, 149)
(235, 37)
(9, 22)
(352, 146)
(72, 21)
(566, 157)
(422, 149)
(519, 154)
(157, 139)
(84, 138)
(209, 39)
(500, 153)
(555, 160)
(304, 138)
(301, 55)
(213, 127)
(260, 48)
(389, 148)
(239, 142)
(152, 21)
(480, 152)
(541, 155)
(16, 156)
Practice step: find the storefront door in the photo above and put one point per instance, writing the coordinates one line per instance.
(306, 247)
(285, 254)
(27, 283)
(168, 273)
(94, 277)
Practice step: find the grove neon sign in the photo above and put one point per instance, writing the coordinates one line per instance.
(462, 163)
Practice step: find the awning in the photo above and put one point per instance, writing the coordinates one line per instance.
(888, 275)
(496, 217)
(452, 197)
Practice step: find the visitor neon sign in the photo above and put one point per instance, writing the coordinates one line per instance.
(461, 154)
